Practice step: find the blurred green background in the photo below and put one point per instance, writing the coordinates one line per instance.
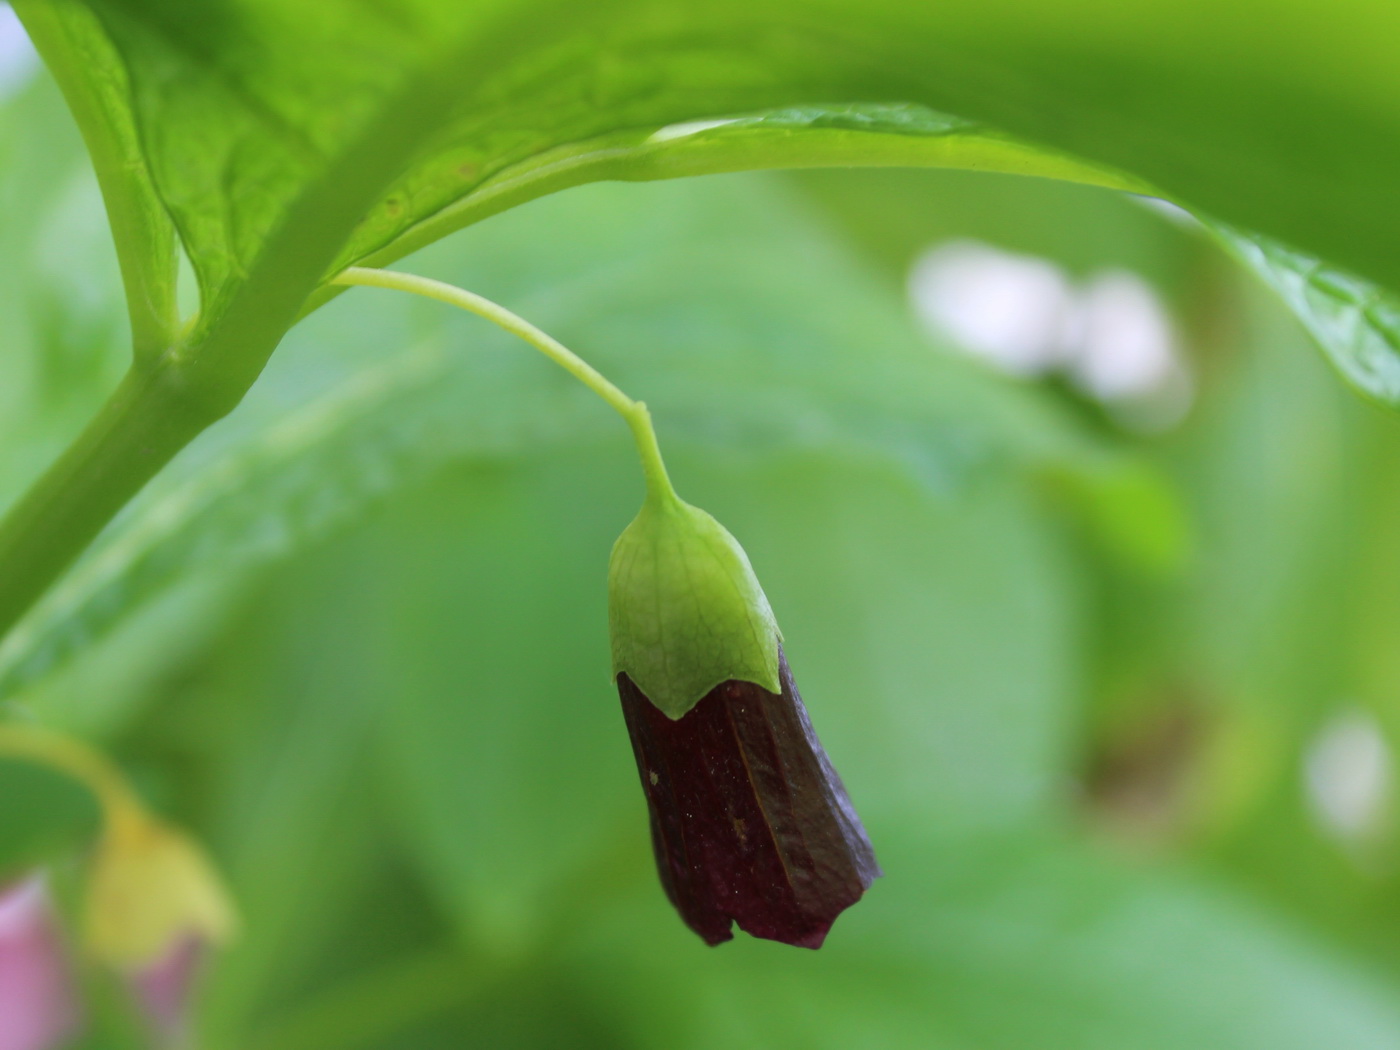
(1114, 692)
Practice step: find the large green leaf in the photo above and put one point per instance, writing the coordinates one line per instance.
(261, 118)
(271, 169)
(461, 181)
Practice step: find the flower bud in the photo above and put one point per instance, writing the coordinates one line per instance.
(749, 821)
(150, 891)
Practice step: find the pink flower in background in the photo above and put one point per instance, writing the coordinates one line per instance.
(163, 988)
(38, 1008)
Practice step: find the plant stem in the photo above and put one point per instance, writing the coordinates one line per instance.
(84, 764)
(149, 418)
(634, 413)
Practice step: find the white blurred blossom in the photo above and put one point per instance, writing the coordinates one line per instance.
(1012, 310)
(1124, 346)
(1349, 775)
(1111, 336)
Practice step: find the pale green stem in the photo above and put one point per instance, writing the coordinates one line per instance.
(635, 413)
(120, 805)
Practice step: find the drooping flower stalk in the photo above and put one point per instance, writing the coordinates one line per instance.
(749, 821)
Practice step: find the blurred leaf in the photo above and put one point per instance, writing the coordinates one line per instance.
(290, 481)
(534, 717)
(1274, 494)
(1284, 617)
(45, 814)
(82, 59)
(1092, 954)
(65, 340)
(1131, 510)
(271, 744)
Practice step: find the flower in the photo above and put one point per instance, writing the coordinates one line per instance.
(154, 904)
(153, 901)
(38, 1003)
(749, 821)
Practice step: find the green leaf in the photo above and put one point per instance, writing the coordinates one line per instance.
(1352, 320)
(1356, 323)
(245, 112)
(45, 814)
(277, 784)
(278, 168)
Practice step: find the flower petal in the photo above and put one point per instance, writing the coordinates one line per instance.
(750, 823)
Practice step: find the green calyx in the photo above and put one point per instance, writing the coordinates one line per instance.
(685, 609)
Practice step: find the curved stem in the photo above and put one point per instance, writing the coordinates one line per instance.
(659, 488)
(634, 413)
(84, 764)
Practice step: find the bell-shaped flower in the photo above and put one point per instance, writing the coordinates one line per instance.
(749, 821)
(154, 905)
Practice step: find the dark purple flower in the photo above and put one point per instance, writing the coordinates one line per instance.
(749, 821)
